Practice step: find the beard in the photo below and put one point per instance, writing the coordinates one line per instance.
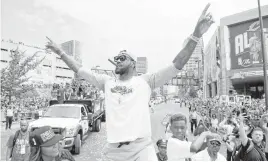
(24, 130)
(120, 71)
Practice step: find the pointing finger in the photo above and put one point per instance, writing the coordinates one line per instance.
(49, 39)
(209, 15)
(206, 9)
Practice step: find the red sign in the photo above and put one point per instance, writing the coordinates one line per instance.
(245, 44)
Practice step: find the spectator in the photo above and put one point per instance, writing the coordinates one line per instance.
(233, 144)
(18, 148)
(45, 146)
(214, 121)
(255, 121)
(252, 150)
(193, 119)
(228, 125)
(178, 141)
(212, 151)
(9, 117)
(264, 124)
(68, 92)
(162, 147)
(54, 92)
(60, 96)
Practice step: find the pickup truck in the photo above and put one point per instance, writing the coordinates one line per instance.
(73, 119)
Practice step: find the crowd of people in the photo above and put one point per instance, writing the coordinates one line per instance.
(22, 108)
(76, 90)
(242, 128)
(34, 146)
(33, 107)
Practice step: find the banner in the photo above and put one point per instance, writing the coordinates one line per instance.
(247, 100)
(224, 99)
(232, 100)
(245, 44)
(240, 99)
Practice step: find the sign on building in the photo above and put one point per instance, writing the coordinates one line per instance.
(224, 99)
(245, 44)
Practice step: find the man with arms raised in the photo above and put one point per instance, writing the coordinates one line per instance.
(211, 153)
(178, 147)
(127, 97)
(252, 149)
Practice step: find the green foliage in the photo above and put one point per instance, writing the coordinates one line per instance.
(192, 92)
(15, 74)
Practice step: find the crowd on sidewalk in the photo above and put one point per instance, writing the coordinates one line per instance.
(242, 128)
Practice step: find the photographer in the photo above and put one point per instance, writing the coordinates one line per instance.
(252, 149)
(233, 144)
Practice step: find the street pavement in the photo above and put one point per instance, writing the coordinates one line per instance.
(93, 144)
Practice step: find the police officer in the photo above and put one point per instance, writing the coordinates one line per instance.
(162, 147)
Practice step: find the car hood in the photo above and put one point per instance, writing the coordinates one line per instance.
(55, 122)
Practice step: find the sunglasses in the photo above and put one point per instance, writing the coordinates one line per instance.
(121, 58)
(162, 147)
(215, 143)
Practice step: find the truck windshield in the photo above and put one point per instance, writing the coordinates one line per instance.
(63, 112)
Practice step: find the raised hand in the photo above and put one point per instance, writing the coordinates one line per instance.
(53, 47)
(204, 22)
(241, 118)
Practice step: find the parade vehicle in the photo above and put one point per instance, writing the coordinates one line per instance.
(73, 119)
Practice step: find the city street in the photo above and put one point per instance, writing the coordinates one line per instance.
(92, 146)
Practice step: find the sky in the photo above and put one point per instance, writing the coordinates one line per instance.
(155, 29)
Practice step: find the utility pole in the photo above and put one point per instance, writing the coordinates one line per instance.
(264, 56)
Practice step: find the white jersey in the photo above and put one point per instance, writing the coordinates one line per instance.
(178, 150)
(127, 109)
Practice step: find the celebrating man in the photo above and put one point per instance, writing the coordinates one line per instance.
(211, 153)
(127, 97)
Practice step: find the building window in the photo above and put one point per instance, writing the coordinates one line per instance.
(63, 77)
(62, 68)
(4, 61)
(2, 49)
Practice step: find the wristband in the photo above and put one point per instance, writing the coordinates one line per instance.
(61, 54)
(194, 38)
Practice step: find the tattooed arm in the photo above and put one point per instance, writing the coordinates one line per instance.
(161, 77)
(184, 55)
(94, 78)
(164, 75)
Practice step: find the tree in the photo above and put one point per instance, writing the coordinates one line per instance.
(192, 92)
(15, 74)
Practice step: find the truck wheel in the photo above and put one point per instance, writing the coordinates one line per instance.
(103, 117)
(77, 144)
(97, 125)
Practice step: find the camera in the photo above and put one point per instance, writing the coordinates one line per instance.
(226, 139)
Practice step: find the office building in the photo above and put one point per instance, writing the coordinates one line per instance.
(233, 56)
(142, 65)
(51, 70)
